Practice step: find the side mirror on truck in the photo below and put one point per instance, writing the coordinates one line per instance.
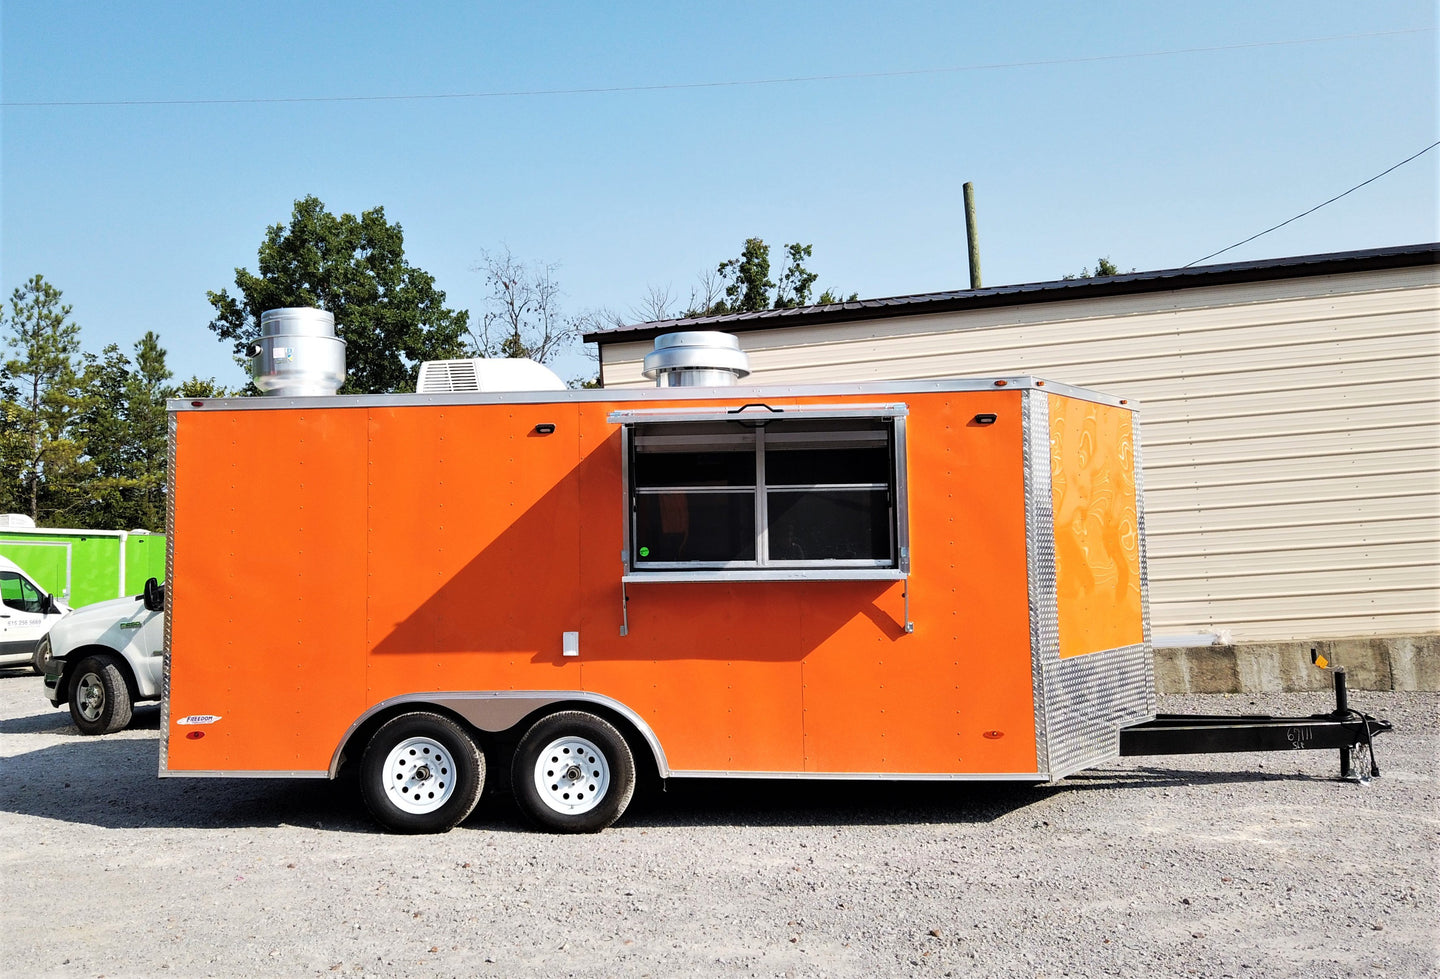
(154, 595)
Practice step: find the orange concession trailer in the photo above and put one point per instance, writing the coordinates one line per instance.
(920, 580)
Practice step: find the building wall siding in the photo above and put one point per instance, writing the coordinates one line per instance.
(1291, 432)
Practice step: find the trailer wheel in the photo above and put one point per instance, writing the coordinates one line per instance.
(421, 773)
(573, 773)
(99, 698)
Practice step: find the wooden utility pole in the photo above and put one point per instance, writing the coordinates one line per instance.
(972, 236)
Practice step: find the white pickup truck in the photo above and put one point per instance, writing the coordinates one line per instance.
(104, 658)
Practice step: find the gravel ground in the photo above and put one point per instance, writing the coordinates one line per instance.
(1224, 865)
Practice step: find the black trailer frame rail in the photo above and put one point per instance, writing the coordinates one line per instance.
(1342, 729)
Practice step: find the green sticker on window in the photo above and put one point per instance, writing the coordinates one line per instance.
(644, 552)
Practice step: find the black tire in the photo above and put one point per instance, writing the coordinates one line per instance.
(41, 657)
(421, 773)
(573, 773)
(99, 697)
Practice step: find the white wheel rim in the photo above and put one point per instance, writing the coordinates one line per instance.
(419, 775)
(572, 775)
(92, 697)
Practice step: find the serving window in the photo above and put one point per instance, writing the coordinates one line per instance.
(792, 492)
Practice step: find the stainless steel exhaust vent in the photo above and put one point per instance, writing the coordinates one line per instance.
(298, 354)
(696, 359)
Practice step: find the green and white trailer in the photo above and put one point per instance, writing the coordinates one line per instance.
(82, 567)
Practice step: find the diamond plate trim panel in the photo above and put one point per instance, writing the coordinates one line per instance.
(1089, 698)
(1144, 563)
(171, 427)
(1040, 560)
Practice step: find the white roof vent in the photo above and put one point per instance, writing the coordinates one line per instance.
(14, 521)
(486, 374)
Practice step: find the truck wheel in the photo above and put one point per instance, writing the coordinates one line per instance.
(421, 773)
(573, 773)
(99, 698)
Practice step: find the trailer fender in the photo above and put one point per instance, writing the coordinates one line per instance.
(494, 711)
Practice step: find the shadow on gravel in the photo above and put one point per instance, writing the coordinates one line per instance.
(113, 783)
(808, 802)
(1174, 777)
(147, 718)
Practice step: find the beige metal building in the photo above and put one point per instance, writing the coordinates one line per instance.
(1291, 413)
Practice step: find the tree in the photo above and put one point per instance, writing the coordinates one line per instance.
(388, 312)
(523, 316)
(43, 380)
(123, 425)
(743, 285)
(148, 424)
(1103, 266)
(101, 424)
(196, 386)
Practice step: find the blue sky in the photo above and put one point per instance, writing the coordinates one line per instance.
(135, 211)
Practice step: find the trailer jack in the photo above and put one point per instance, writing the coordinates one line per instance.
(1343, 729)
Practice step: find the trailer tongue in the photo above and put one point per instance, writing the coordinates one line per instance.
(1344, 729)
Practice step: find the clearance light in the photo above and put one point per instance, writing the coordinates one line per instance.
(1001, 384)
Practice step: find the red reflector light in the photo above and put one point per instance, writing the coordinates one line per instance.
(197, 404)
(994, 735)
(197, 735)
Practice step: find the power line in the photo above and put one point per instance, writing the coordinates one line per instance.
(679, 86)
(1316, 207)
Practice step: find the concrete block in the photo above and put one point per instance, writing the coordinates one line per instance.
(1196, 669)
(1371, 663)
(1415, 662)
(1366, 661)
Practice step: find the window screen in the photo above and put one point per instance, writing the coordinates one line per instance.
(786, 494)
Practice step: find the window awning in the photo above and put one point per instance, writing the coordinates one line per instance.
(758, 412)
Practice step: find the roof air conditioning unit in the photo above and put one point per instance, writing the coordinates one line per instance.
(485, 374)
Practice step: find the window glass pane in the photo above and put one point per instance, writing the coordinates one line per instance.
(18, 592)
(829, 525)
(710, 527)
(702, 468)
(787, 466)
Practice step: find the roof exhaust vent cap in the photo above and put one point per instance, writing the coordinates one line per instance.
(697, 358)
(298, 354)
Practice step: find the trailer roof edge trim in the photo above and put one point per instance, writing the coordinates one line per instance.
(650, 394)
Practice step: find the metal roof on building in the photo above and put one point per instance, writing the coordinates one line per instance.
(1332, 263)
